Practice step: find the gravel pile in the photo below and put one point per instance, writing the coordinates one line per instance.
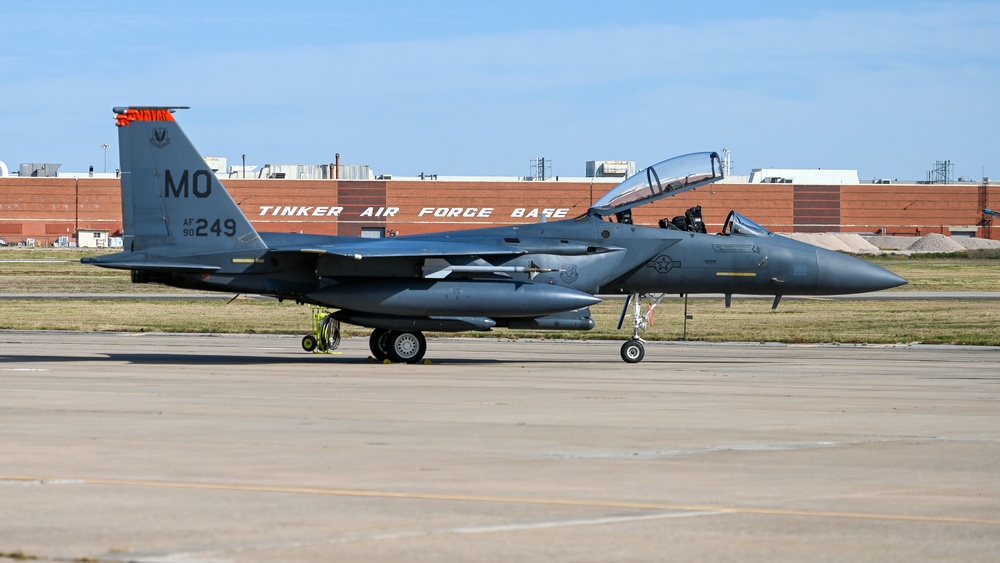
(822, 240)
(857, 244)
(841, 242)
(935, 243)
(889, 242)
(971, 243)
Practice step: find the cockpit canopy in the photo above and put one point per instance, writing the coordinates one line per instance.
(737, 224)
(673, 176)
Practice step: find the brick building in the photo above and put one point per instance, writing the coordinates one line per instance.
(45, 209)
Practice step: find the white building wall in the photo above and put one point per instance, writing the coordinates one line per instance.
(816, 177)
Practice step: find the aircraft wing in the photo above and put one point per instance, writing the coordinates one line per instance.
(400, 248)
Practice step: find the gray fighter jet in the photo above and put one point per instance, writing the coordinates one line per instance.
(183, 229)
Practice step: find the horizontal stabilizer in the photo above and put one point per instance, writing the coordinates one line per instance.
(123, 262)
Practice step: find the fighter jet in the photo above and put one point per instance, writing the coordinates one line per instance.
(182, 229)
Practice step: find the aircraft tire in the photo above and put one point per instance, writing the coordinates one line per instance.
(406, 347)
(309, 343)
(633, 351)
(378, 344)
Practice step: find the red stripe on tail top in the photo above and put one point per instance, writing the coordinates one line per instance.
(143, 114)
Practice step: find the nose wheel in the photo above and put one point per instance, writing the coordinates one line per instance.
(633, 351)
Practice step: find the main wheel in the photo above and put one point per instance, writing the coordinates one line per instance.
(378, 343)
(309, 343)
(633, 351)
(408, 347)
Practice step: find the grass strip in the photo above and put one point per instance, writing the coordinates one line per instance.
(796, 321)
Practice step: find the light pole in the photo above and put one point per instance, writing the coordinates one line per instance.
(105, 146)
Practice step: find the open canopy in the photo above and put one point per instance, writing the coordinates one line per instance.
(737, 224)
(673, 176)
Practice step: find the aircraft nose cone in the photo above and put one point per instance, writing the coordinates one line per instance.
(840, 273)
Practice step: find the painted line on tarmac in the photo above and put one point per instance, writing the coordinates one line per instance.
(509, 500)
(206, 555)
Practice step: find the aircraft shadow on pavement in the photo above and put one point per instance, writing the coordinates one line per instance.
(234, 359)
(242, 360)
(349, 358)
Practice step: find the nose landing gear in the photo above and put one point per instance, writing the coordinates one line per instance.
(633, 350)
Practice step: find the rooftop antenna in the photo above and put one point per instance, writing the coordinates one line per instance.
(727, 163)
(105, 146)
(941, 173)
(541, 168)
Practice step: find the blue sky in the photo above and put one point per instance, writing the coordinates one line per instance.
(481, 88)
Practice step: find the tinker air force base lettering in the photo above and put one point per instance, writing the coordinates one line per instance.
(436, 212)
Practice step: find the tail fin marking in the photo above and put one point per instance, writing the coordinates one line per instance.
(172, 203)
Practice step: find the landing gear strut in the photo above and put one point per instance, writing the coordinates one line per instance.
(633, 350)
(397, 346)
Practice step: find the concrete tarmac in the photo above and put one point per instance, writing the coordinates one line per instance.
(179, 448)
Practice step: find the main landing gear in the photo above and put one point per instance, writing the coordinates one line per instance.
(633, 350)
(398, 346)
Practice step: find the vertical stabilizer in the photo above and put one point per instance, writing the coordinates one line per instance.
(172, 203)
